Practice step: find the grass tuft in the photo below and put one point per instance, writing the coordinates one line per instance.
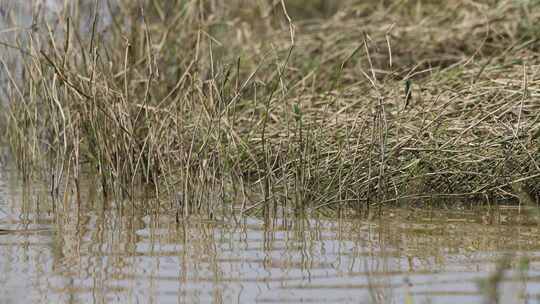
(252, 105)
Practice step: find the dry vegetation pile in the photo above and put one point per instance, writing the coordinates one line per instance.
(317, 105)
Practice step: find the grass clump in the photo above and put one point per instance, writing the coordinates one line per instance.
(261, 104)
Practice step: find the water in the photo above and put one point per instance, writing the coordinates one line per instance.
(100, 253)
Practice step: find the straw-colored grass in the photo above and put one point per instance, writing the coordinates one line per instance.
(247, 104)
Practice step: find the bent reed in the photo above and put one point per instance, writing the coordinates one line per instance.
(249, 104)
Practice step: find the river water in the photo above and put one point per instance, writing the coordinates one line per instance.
(96, 252)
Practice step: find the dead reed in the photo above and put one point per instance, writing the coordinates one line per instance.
(243, 105)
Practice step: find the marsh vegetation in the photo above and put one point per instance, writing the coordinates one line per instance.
(271, 106)
(243, 151)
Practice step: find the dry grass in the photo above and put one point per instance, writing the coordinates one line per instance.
(233, 105)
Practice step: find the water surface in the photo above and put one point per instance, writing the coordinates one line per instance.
(98, 252)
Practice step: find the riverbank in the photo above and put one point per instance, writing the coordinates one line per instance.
(247, 105)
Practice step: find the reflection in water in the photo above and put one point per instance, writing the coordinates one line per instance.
(103, 253)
